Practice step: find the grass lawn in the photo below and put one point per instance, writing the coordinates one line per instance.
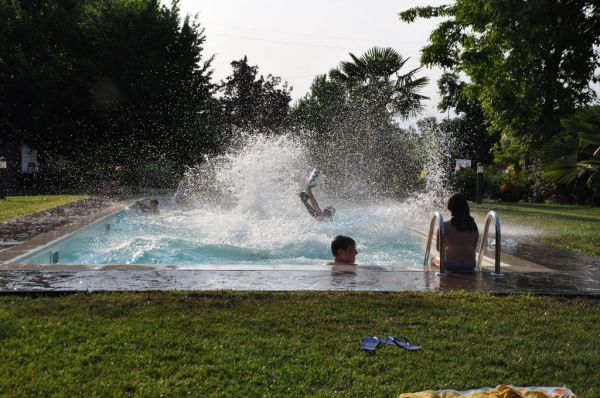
(575, 228)
(17, 206)
(292, 344)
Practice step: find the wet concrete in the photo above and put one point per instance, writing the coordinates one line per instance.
(579, 267)
(361, 280)
(27, 227)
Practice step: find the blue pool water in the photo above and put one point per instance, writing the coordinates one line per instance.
(188, 238)
(246, 212)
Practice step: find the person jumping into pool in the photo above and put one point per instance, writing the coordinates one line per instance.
(310, 201)
(461, 236)
(344, 251)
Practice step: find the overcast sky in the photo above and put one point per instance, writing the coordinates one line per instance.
(298, 39)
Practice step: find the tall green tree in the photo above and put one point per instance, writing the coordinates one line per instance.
(468, 128)
(350, 118)
(529, 63)
(114, 80)
(376, 85)
(254, 102)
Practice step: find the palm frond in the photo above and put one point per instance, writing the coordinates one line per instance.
(562, 172)
(585, 124)
(593, 182)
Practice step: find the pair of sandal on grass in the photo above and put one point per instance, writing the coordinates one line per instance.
(370, 344)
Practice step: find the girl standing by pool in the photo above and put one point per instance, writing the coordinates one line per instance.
(461, 236)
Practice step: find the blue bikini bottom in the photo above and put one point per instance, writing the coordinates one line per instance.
(460, 267)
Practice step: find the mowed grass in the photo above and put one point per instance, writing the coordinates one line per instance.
(236, 344)
(18, 206)
(575, 228)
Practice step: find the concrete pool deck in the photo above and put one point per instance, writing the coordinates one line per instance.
(363, 280)
(521, 276)
(568, 274)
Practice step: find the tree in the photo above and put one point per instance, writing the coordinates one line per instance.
(349, 117)
(252, 102)
(529, 63)
(570, 159)
(109, 80)
(376, 85)
(468, 129)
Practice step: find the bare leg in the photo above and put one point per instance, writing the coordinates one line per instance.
(313, 201)
(306, 200)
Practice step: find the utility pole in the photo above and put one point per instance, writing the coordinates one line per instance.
(2, 172)
(478, 182)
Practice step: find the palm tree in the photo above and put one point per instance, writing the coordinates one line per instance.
(374, 79)
(573, 159)
(379, 68)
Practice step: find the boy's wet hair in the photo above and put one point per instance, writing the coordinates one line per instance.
(341, 242)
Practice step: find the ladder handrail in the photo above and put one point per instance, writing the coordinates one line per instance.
(437, 218)
(483, 244)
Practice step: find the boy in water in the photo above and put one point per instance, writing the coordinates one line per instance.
(344, 253)
(313, 208)
(151, 208)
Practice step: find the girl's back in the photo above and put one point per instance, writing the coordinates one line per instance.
(460, 245)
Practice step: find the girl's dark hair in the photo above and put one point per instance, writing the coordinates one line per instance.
(461, 218)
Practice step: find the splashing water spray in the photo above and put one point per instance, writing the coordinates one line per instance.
(245, 207)
(246, 204)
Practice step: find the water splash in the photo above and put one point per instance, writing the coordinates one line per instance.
(246, 210)
(248, 199)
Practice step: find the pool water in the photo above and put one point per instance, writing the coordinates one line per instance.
(247, 212)
(188, 238)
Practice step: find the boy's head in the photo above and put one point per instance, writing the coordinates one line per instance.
(343, 249)
(154, 203)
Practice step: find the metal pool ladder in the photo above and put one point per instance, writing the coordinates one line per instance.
(439, 220)
(482, 245)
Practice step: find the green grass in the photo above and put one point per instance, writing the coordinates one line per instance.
(292, 344)
(575, 228)
(18, 206)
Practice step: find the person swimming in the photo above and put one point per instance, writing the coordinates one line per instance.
(151, 208)
(343, 249)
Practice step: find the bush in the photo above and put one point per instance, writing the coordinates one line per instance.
(506, 186)
(541, 189)
(464, 181)
(92, 177)
(159, 174)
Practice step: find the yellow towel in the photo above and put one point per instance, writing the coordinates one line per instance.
(502, 391)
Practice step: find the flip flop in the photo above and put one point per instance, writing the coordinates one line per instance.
(370, 344)
(402, 343)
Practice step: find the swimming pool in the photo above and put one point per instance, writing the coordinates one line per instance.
(214, 235)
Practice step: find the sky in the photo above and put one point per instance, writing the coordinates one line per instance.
(299, 39)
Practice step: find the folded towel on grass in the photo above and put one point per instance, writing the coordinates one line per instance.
(502, 391)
